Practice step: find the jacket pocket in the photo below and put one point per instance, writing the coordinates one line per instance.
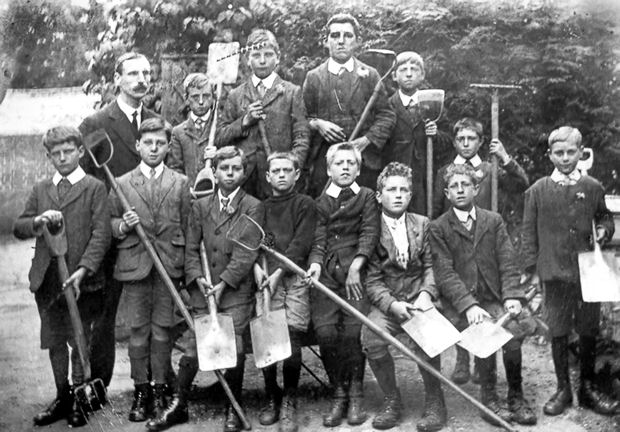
(178, 250)
(129, 251)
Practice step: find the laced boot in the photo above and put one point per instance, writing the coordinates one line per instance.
(488, 395)
(563, 397)
(390, 413)
(233, 422)
(589, 396)
(338, 408)
(461, 374)
(355, 412)
(288, 413)
(159, 400)
(522, 412)
(141, 400)
(271, 412)
(58, 409)
(434, 416)
(77, 416)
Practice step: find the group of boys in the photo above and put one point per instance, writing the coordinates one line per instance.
(365, 245)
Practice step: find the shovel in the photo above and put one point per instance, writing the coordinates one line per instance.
(100, 137)
(271, 341)
(247, 233)
(484, 339)
(215, 333)
(598, 275)
(90, 389)
(431, 331)
(431, 105)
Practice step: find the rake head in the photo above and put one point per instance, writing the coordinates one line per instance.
(247, 233)
(99, 147)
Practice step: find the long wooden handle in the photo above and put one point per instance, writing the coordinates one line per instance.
(76, 320)
(494, 136)
(386, 336)
(429, 177)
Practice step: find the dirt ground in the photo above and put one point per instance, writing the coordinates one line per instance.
(26, 381)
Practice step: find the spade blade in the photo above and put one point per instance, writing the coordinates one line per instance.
(270, 338)
(599, 276)
(215, 342)
(484, 339)
(431, 331)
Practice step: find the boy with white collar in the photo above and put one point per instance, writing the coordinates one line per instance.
(400, 279)
(346, 234)
(264, 97)
(468, 138)
(161, 201)
(557, 224)
(335, 94)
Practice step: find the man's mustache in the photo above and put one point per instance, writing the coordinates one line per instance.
(140, 88)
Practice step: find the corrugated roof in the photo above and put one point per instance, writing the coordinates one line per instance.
(33, 111)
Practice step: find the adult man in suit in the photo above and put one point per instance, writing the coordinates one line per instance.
(335, 94)
(265, 97)
(120, 119)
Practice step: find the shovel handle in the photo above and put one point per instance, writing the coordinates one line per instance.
(429, 177)
(386, 336)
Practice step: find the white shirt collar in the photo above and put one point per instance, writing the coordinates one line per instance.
(463, 215)
(406, 99)
(204, 118)
(129, 110)
(571, 178)
(334, 191)
(334, 67)
(392, 222)
(230, 197)
(146, 170)
(75, 176)
(267, 82)
(475, 161)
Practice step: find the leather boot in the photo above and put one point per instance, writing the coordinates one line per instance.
(159, 401)
(435, 415)
(58, 409)
(77, 417)
(177, 411)
(390, 413)
(355, 412)
(141, 400)
(288, 413)
(488, 395)
(338, 408)
(461, 369)
(563, 397)
(522, 412)
(271, 412)
(589, 396)
(232, 423)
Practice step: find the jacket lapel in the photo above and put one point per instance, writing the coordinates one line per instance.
(73, 193)
(123, 128)
(387, 241)
(274, 92)
(412, 235)
(52, 193)
(139, 183)
(403, 113)
(482, 226)
(357, 79)
(457, 226)
(167, 183)
(234, 205)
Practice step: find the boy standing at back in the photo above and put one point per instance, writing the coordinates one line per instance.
(476, 272)
(557, 224)
(346, 234)
(335, 94)
(264, 98)
(407, 142)
(468, 139)
(291, 218)
(400, 279)
(160, 200)
(190, 138)
(78, 201)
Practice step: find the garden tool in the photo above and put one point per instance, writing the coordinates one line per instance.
(484, 339)
(430, 103)
(271, 341)
(375, 93)
(431, 331)
(215, 333)
(495, 133)
(220, 72)
(92, 389)
(247, 233)
(100, 138)
(598, 274)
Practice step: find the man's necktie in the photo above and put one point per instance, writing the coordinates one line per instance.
(64, 186)
(199, 123)
(152, 173)
(224, 202)
(345, 195)
(261, 89)
(134, 119)
(469, 224)
(468, 162)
